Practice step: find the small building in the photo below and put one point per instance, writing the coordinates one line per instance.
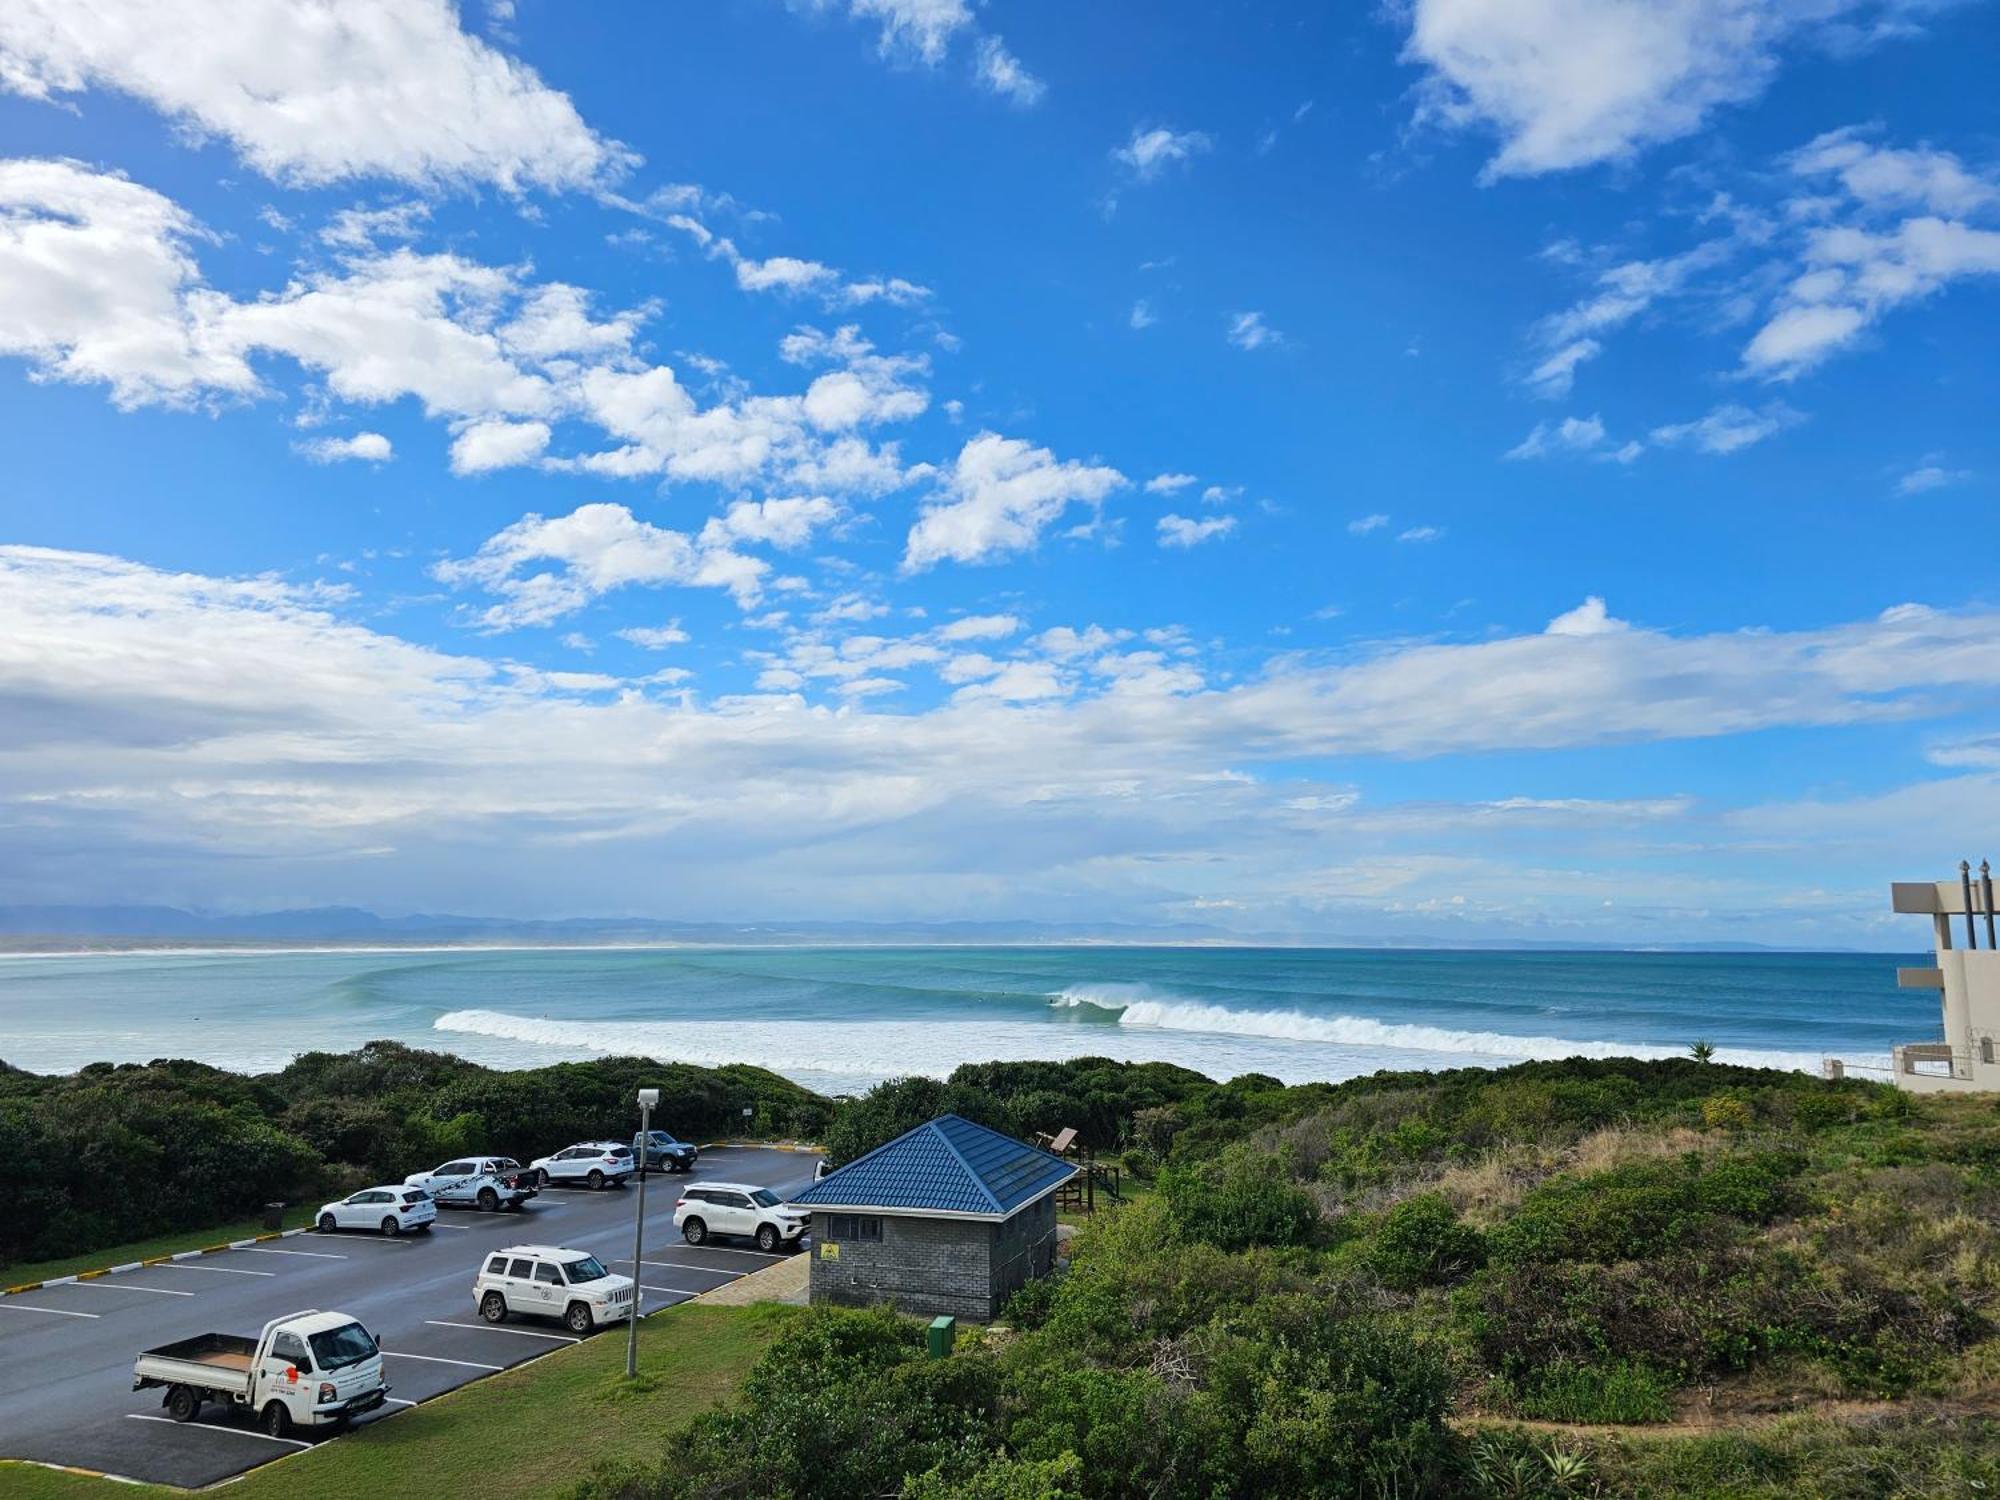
(950, 1217)
(1964, 1059)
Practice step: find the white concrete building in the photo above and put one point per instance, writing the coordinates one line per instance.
(1967, 974)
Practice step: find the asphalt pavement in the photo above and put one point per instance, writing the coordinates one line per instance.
(66, 1352)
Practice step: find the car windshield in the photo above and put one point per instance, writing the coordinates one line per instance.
(337, 1348)
(590, 1268)
(765, 1198)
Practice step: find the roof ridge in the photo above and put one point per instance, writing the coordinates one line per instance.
(959, 1157)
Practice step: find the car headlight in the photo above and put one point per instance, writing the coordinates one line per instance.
(327, 1392)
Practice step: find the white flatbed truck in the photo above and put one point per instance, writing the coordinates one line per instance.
(307, 1369)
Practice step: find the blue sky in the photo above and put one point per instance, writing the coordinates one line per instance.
(1454, 469)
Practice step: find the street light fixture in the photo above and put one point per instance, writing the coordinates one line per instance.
(649, 1100)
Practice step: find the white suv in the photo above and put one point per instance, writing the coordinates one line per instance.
(597, 1163)
(549, 1282)
(707, 1208)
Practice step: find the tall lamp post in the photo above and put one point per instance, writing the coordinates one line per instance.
(648, 1100)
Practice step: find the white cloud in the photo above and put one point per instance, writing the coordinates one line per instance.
(363, 229)
(1142, 315)
(1169, 484)
(923, 28)
(998, 496)
(783, 273)
(1554, 377)
(786, 524)
(1728, 428)
(1183, 531)
(594, 549)
(1362, 525)
(1151, 152)
(1421, 534)
(1588, 618)
(183, 728)
(370, 447)
(655, 637)
(1929, 475)
(314, 91)
(1002, 72)
(980, 628)
(1571, 83)
(1570, 435)
(486, 446)
(1248, 330)
(95, 276)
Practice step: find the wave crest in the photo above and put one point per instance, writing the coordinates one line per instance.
(1137, 1005)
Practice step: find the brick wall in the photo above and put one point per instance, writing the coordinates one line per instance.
(1023, 1247)
(921, 1266)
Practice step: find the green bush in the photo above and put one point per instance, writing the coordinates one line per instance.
(1237, 1202)
(1420, 1242)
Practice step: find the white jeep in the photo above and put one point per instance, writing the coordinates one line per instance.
(549, 1282)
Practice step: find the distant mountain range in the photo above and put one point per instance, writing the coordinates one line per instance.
(37, 928)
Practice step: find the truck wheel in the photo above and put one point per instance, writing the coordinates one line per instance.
(493, 1308)
(390, 1228)
(327, 1224)
(183, 1403)
(577, 1319)
(694, 1231)
(274, 1420)
(596, 1180)
(542, 1177)
(489, 1201)
(767, 1239)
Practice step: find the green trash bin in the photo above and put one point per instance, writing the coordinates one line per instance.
(943, 1333)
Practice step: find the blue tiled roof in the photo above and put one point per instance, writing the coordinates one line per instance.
(948, 1165)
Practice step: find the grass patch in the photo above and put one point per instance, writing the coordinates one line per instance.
(296, 1217)
(1597, 1394)
(531, 1431)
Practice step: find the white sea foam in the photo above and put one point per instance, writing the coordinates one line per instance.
(1136, 1005)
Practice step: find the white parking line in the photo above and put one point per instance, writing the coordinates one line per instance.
(674, 1290)
(181, 1265)
(526, 1333)
(308, 1254)
(690, 1265)
(432, 1359)
(461, 1228)
(10, 1305)
(120, 1286)
(396, 1401)
(137, 1416)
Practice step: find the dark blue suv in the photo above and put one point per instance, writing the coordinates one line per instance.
(665, 1154)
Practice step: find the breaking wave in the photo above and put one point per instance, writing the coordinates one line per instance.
(1137, 1005)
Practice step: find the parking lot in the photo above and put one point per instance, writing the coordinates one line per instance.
(66, 1351)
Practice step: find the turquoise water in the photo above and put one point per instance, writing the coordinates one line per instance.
(839, 1018)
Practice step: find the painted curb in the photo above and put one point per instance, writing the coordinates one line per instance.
(153, 1260)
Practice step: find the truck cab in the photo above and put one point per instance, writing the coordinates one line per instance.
(310, 1369)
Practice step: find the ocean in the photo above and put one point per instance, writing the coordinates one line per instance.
(839, 1019)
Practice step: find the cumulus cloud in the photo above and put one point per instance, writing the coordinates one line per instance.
(1572, 83)
(1169, 484)
(1002, 73)
(315, 91)
(1183, 531)
(655, 637)
(369, 447)
(997, 498)
(486, 446)
(1589, 618)
(1931, 474)
(589, 552)
(1362, 525)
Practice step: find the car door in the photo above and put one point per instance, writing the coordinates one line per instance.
(522, 1292)
(737, 1216)
(287, 1372)
(548, 1289)
(353, 1210)
(449, 1179)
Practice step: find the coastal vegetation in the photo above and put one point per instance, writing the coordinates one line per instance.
(118, 1153)
(1586, 1277)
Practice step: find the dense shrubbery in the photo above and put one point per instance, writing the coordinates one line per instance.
(112, 1154)
(1320, 1277)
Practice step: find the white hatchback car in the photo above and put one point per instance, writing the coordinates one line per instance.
(550, 1282)
(387, 1210)
(595, 1163)
(757, 1213)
